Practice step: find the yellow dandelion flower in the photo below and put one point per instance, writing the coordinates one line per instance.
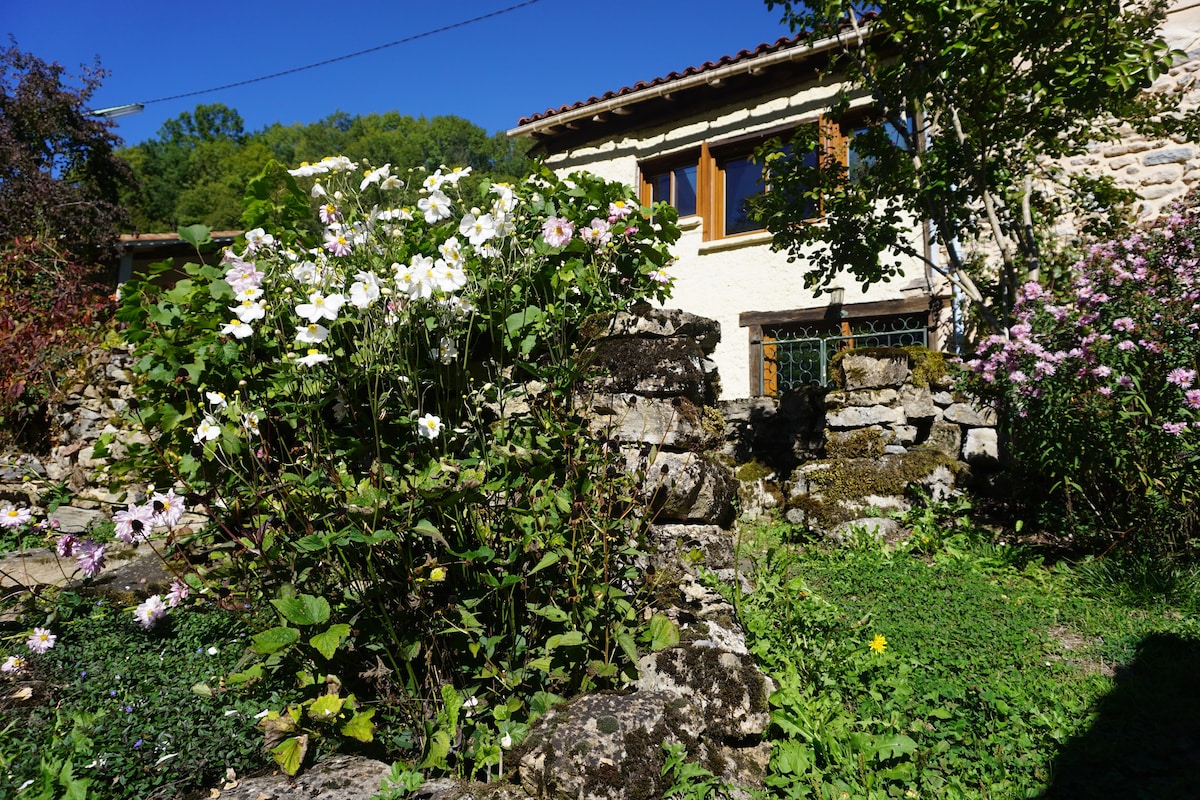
(878, 644)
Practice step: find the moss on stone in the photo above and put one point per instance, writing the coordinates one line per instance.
(858, 443)
(753, 470)
(928, 367)
(607, 724)
(847, 480)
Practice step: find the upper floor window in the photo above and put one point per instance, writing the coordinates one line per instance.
(675, 185)
(717, 182)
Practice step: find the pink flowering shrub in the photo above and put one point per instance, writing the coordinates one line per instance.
(1101, 383)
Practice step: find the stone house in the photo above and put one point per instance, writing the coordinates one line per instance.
(686, 138)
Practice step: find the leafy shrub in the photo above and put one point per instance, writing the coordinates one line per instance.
(1100, 386)
(376, 411)
(52, 308)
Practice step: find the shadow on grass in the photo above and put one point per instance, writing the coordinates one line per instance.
(1145, 741)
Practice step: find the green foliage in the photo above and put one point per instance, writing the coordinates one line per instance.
(416, 465)
(971, 105)
(120, 719)
(993, 665)
(197, 169)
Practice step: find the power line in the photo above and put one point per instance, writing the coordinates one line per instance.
(405, 40)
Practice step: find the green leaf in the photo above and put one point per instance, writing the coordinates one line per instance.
(894, 746)
(360, 726)
(195, 235)
(326, 707)
(273, 640)
(202, 689)
(548, 559)
(568, 639)
(663, 633)
(326, 643)
(628, 647)
(427, 528)
(552, 613)
(303, 610)
(289, 754)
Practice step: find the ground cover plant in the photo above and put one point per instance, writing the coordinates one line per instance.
(954, 667)
(110, 709)
(370, 397)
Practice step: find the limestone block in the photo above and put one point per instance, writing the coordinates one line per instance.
(969, 414)
(1171, 155)
(645, 321)
(917, 402)
(682, 547)
(1159, 191)
(1165, 173)
(904, 435)
(77, 520)
(727, 688)
(945, 437)
(894, 450)
(882, 528)
(863, 397)
(942, 399)
(865, 371)
(610, 746)
(675, 422)
(17, 468)
(649, 367)
(339, 777)
(689, 487)
(861, 417)
(981, 448)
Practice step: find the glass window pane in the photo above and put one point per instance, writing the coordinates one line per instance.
(685, 190)
(741, 183)
(660, 187)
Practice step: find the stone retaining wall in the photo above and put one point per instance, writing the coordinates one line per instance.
(826, 457)
(92, 403)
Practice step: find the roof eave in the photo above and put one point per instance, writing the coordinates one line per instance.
(546, 126)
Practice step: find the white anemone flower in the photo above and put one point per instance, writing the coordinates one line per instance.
(237, 329)
(436, 207)
(312, 333)
(207, 430)
(450, 278)
(320, 307)
(429, 426)
(477, 229)
(216, 398)
(312, 358)
(249, 310)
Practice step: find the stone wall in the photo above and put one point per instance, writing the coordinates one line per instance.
(93, 399)
(1159, 170)
(827, 457)
(648, 395)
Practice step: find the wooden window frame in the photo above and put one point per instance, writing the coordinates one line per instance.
(710, 173)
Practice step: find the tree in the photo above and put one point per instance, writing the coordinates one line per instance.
(60, 176)
(198, 167)
(971, 105)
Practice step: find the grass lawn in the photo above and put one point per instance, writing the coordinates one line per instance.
(995, 677)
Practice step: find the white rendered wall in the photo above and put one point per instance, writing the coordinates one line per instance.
(724, 278)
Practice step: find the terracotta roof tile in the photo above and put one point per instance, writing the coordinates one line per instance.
(782, 43)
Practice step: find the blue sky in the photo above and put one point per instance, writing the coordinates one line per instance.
(493, 72)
